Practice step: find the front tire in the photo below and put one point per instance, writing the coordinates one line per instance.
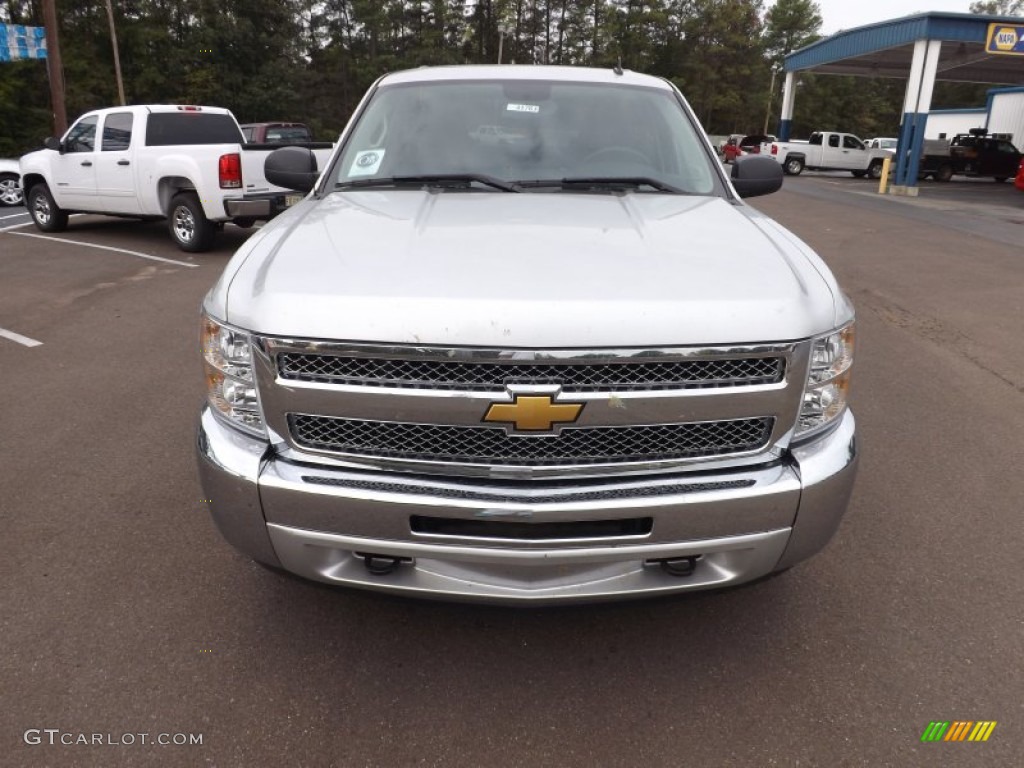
(794, 166)
(945, 173)
(10, 190)
(188, 225)
(46, 214)
(875, 170)
(859, 174)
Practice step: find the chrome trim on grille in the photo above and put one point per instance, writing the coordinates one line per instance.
(280, 397)
(499, 495)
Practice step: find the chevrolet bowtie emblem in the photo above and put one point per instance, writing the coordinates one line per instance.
(533, 413)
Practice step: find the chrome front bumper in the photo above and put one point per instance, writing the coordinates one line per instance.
(313, 520)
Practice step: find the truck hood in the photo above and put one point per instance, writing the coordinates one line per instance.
(530, 270)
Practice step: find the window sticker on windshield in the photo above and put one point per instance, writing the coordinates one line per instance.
(522, 108)
(366, 163)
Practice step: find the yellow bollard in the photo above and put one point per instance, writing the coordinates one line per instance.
(884, 181)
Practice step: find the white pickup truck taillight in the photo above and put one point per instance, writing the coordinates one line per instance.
(775, 149)
(230, 168)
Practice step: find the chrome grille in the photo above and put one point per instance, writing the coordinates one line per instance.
(493, 377)
(492, 445)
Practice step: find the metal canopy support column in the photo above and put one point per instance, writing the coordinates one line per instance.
(788, 101)
(917, 102)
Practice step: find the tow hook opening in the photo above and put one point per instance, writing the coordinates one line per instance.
(381, 565)
(680, 567)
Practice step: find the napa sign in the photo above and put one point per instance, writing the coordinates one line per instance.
(1005, 38)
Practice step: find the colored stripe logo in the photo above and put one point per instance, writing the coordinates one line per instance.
(958, 730)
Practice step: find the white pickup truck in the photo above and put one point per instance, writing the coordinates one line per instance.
(828, 151)
(189, 164)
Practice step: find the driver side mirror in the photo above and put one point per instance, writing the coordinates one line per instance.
(291, 168)
(51, 142)
(755, 175)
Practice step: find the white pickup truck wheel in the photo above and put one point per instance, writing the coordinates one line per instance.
(10, 190)
(189, 227)
(875, 169)
(794, 166)
(46, 214)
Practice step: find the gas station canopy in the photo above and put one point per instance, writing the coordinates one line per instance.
(923, 48)
(886, 49)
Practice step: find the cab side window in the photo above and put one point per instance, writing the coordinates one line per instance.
(849, 142)
(117, 132)
(82, 137)
(833, 140)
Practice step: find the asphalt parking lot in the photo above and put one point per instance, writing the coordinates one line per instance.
(124, 612)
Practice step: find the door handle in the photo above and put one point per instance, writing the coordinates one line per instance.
(123, 162)
(86, 163)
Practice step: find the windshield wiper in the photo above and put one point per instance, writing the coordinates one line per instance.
(614, 183)
(434, 179)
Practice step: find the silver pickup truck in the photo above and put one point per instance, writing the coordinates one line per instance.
(570, 365)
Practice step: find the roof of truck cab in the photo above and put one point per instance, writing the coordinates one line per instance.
(524, 72)
(189, 108)
(185, 108)
(161, 108)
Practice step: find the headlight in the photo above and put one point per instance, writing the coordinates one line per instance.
(828, 381)
(230, 388)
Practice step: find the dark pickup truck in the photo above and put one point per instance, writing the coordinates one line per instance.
(276, 133)
(970, 154)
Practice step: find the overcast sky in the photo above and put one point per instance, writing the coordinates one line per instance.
(847, 14)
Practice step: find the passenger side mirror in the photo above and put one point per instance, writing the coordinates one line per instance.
(755, 175)
(291, 168)
(51, 142)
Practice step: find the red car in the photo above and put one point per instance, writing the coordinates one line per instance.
(1018, 180)
(746, 145)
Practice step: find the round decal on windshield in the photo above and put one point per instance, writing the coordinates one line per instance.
(366, 163)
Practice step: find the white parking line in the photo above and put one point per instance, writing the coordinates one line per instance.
(15, 226)
(13, 215)
(19, 338)
(103, 247)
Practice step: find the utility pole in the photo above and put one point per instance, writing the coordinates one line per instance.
(55, 68)
(771, 95)
(117, 56)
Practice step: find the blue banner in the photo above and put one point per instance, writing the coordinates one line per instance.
(18, 42)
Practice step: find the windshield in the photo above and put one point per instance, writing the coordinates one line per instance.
(517, 131)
